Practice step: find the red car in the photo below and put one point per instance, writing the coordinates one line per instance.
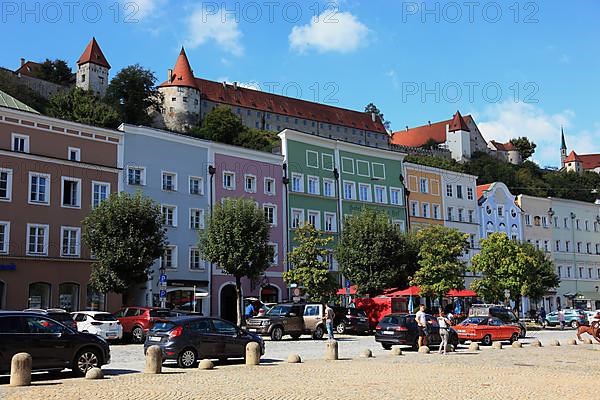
(137, 321)
(486, 330)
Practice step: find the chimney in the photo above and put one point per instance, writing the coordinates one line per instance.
(373, 117)
(406, 128)
(235, 85)
(22, 61)
(224, 85)
(429, 123)
(170, 75)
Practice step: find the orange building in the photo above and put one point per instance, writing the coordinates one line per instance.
(424, 199)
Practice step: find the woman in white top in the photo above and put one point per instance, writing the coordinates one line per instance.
(444, 324)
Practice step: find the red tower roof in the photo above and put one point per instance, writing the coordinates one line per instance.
(182, 73)
(93, 54)
(418, 136)
(458, 124)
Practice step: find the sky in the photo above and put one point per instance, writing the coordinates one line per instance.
(521, 68)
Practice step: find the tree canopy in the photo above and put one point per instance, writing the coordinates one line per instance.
(55, 71)
(82, 106)
(524, 146)
(125, 233)
(12, 86)
(373, 109)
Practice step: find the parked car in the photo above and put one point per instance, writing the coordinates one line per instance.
(57, 314)
(99, 323)
(290, 319)
(573, 317)
(136, 321)
(506, 315)
(350, 320)
(52, 345)
(188, 339)
(264, 308)
(401, 329)
(487, 330)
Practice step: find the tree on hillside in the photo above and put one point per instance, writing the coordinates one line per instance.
(126, 234)
(520, 268)
(440, 252)
(524, 146)
(431, 144)
(11, 85)
(373, 109)
(220, 125)
(310, 269)
(56, 71)
(82, 106)
(133, 93)
(236, 238)
(257, 140)
(372, 251)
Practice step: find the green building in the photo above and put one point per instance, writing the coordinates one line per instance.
(330, 179)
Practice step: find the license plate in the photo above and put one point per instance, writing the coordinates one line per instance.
(388, 332)
(253, 330)
(154, 339)
(363, 320)
(111, 334)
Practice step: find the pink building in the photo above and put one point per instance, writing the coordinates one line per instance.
(246, 173)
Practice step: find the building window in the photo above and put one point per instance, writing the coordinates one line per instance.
(5, 184)
(578, 224)
(380, 195)
(37, 240)
(196, 185)
(364, 192)
(544, 221)
(71, 192)
(559, 271)
(250, 183)
(39, 295)
(449, 190)
(580, 272)
(450, 216)
(229, 180)
(396, 197)
(169, 182)
(136, 176)
(414, 208)
(313, 185)
(349, 191)
(297, 183)
(328, 187)
(546, 247)
(459, 192)
(527, 219)
(275, 248)
(500, 212)
(297, 218)
(169, 258)
(314, 218)
(82, 78)
(567, 246)
(330, 222)
(196, 219)
(424, 186)
(587, 225)
(400, 224)
(471, 214)
(20, 143)
(169, 214)
(425, 208)
(269, 186)
(196, 263)
(588, 248)
(566, 223)
(579, 247)
(598, 251)
(557, 245)
(470, 194)
(39, 188)
(70, 241)
(472, 241)
(4, 236)
(436, 211)
(100, 192)
(461, 213)
(270, 214)
(74, 154)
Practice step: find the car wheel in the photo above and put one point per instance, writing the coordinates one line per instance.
(318, 333)
(85, 360)
(574, 324)
(277, 333)
(340, 328)
(514, 338)
(386, 346)
(454, 342)
(187, 358)
(487, 340)
(295, 336)
(415, 345)
(137, 335)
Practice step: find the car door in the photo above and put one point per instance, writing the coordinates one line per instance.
(226, 334)
(202, 337)
(13, 340)
(434, 330)
(313, 315)
(50, 345)
(495, 327)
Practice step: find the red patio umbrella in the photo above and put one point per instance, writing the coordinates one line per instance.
(411, 291)
(342, 291)
(461, 293)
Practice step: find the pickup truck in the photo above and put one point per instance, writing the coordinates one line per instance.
(290, 319)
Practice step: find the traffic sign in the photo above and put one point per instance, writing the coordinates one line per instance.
(163, 294)
(296, 292)
(162, 278)
(347, 283)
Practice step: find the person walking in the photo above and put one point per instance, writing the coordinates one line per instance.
(250, 311)
(329, 316)
(444, 324)
(421, 318)
(561, 318)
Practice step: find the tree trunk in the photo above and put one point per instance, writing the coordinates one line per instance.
(238, 292)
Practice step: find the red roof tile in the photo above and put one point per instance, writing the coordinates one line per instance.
(30, 68)
(572, 157)
(93, 54)
(482, 188)
(417, 137)
(182, 73)
(588, 161)
(458, 123)
(508, 146)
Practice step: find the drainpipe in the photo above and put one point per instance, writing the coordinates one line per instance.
(285, 180)
(406, 196)
(211, 171)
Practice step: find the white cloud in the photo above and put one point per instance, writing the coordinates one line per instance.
(504, 121)
(393, 77)
(332, 31)
(203, 27)
(254, 85)
(140, 9)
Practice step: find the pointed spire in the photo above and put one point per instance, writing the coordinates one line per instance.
(458, 123)
(182, 72)
(93, 54)
(563, 144)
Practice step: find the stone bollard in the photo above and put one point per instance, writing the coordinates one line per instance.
(153, 360)
(94, 373)
(206, 364)
(497, 345)
(517, 344)
(424, 350)
(331, 352)
(572, 342)
(536, 343)
(396, 351)
(587, 341)
(294, 359)
(20, 370)
(555, 343)
(366, 353)
(252, 353)
(474, 346)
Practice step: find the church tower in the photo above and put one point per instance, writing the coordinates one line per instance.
(563, 148)
(92, 69)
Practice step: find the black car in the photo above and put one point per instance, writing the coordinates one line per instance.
(189, 339)
(52, 345)
(401, 329)
(350, 320)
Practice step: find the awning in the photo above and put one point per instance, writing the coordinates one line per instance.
(411, 291)
(342, 291)
(461, 293)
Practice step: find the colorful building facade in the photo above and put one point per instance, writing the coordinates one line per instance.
(498, 211)
(425, 200)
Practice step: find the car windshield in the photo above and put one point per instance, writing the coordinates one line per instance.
(392, 320)
(104, 317)
(162, 326)
(473, 320)
(279, 310)
(357, 313)
(159, 313)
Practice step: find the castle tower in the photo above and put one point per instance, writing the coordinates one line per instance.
(458, 138)
(92, 69)
(181, 97)
(563, 148)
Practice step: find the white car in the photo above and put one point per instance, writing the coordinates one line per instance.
(99, 323)
(593, 316)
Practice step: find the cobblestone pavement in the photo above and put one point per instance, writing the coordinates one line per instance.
(510, 373)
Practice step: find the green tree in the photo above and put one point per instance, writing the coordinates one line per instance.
(497, 254)
(82, 106)
(372, 251)
(220, 125)
(524, 146)
(56, 71)
(257, 140)
(11, 85)
(126, 234)
(236, 238)
(134, 94)
(310, 269)
(373, 109)
(440, 252)
(431, 144)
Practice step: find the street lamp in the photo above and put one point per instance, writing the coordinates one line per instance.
(573, 216)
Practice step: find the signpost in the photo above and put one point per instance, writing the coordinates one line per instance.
(348, 286)
(162, 284)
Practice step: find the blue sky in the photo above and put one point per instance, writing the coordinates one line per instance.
(417, 63)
